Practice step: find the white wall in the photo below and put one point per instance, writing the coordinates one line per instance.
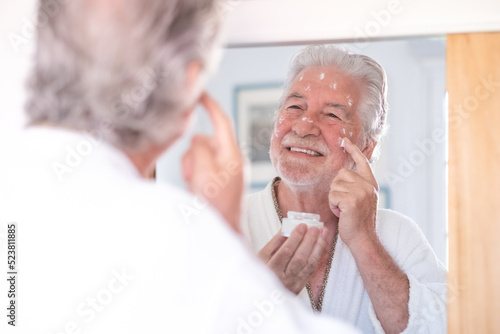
(264, 22)
(14, 65)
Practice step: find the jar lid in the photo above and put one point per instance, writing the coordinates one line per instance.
(296, 218)
(312, 217)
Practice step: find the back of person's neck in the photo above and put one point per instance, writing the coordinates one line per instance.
(145, 159)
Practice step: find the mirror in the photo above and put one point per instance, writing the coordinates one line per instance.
(411, 170)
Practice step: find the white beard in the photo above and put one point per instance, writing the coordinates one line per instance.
(299, 174)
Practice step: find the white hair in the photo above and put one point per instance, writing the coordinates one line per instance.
(373, 107)
(123, 64)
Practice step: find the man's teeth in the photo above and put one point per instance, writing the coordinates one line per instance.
(294, 149)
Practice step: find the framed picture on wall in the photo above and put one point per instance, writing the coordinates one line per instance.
(255, 106)
(384, 197)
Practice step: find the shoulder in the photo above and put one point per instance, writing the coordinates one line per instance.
(397, 231)
(404, 240)
(258, 197)
(256, 204)
(259, 220)
(176, 205)
(390, 221)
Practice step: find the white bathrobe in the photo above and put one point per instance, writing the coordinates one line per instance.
(100, 250)
(345, 294)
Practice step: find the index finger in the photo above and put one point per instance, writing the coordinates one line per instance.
(362, 164)
(279, 261)
(272, 246)
(223, 128)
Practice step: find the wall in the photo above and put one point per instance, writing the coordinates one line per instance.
(299, 21)
(16, 45)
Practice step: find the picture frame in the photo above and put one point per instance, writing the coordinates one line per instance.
(255, 106)
(384, 197)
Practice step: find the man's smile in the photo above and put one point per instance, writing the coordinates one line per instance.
(304, 150)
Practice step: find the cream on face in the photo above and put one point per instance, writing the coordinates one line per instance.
(318, 112)
(341, 144)
(349, 100)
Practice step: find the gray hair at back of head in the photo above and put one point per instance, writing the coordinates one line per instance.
(118, 69)
(373, 107)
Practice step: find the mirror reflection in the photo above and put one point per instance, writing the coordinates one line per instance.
(411, 168)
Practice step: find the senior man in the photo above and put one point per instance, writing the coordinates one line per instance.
(371, 267)
(100, 249)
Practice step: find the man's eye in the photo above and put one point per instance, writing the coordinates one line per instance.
(293, 107)
(333, 115)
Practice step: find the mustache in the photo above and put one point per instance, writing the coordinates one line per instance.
(292, 139)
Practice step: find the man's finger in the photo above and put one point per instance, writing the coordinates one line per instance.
(187, 166)
(198, 158)
(271, 247)
(301, 256)
(362, 165)
(347, 187)
(335, 199)
(284, 254)
(347, 175)
(223, 128)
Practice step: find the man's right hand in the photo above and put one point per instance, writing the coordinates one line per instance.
(213, 165)
(295, 259)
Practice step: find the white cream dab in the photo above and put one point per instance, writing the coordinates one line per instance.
(349, 100)
(276, 133)
(333, 85)
(307, 119)
(341, 143)
(350, 133)
(321, 76)
(281, 119)
(343, 130)
(308, 88)
(301, 77)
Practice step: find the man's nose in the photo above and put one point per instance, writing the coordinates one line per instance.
(307, 124)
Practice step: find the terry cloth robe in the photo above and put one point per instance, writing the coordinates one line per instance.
(102, 250)
(345, 294)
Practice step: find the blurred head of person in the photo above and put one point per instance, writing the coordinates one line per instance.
(128, 72)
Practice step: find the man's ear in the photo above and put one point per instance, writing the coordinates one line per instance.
(193, 70)
(185, 117)
(369, 148)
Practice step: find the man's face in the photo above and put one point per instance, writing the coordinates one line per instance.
(320, 109)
